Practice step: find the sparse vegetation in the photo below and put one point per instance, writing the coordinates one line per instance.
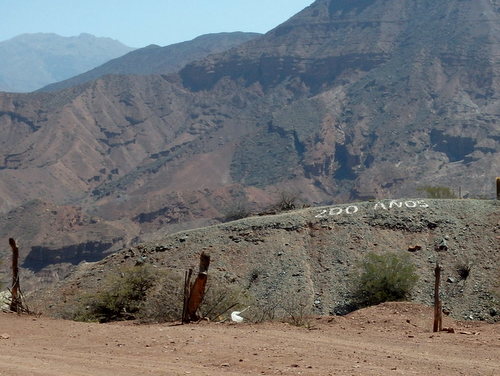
(298, 310)
(437, 192)
(286, 201)
(221, 299)
(383, 278)
(153, 296)
(163, 302)
(292, 306)
(121, 297)
(236, 210)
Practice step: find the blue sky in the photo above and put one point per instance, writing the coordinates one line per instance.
(140, 23)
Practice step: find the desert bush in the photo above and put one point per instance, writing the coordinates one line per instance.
(297, 310)
(221, 298)
(236, 210)
(286, 201)
(382, 278)
(120, 297)
(164, 300)
(437, 192)
(264, 310)
(292, 306)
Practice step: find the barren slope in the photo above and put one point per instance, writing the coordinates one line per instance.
(307, 257)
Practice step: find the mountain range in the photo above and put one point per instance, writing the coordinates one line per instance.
(347, 100)
(31, 61)
(154, 59)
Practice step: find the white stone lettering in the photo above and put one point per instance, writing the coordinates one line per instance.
(410, 204)
(379, 205)
(351, 209)
(322, 214)
(335, 211)
(422, 204)
(394, 203)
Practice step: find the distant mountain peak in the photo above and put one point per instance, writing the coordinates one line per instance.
(31, 61)
(154, 59)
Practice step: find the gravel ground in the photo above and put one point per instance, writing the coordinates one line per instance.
(389, 339)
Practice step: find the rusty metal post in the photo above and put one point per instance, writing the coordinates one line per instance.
(15, 299)
(438, 315)
(198, 290)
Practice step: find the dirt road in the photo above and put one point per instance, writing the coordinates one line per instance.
(391, 339)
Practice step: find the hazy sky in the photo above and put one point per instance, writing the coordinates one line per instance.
(140, 23)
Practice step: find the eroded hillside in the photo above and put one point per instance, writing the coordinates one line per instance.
(310, 255)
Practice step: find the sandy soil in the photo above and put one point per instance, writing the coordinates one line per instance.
(390, 339)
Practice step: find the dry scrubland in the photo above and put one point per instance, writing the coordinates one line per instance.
(307, 254)
(307, 258)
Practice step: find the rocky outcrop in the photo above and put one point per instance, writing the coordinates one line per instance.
(40, 257)
(49, 234)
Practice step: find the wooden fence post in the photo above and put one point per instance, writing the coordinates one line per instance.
(187, 288)
(438, 312)
(198, 289)
(15, 303)
(498, 188)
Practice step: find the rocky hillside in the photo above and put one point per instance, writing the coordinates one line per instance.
(310, 255)
(347, 100)
(31, 61)
(52, 239)
(154, 59)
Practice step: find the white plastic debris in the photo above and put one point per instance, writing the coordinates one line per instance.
(235, 315)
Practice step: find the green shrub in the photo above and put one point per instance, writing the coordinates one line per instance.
(382, 278)
(437, 192)
(164, 300)
(121, 297)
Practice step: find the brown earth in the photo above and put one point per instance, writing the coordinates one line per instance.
(390, 339)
